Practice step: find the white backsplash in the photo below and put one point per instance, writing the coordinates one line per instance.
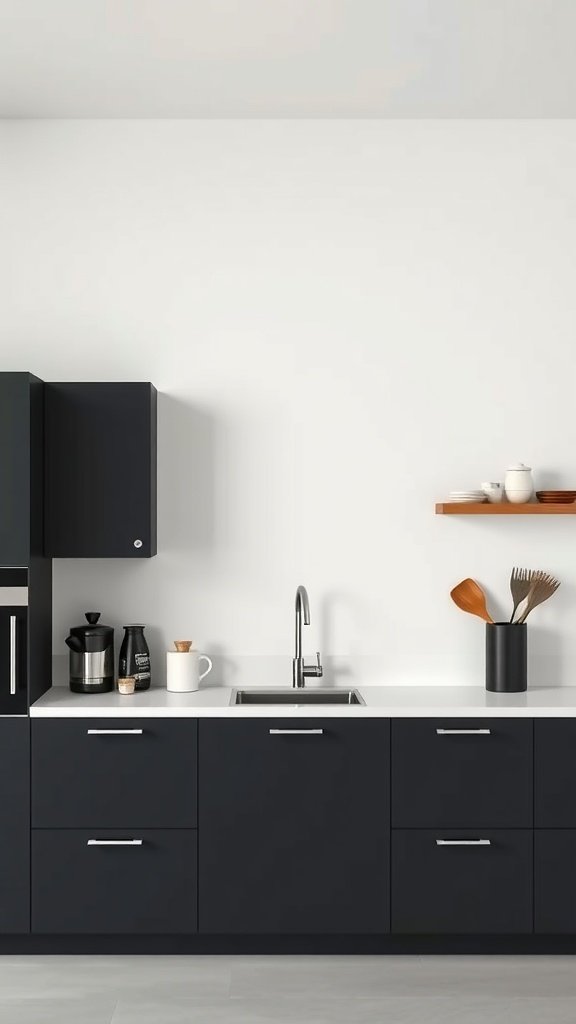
(345, 320)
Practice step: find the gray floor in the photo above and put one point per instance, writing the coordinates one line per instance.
(287, 990)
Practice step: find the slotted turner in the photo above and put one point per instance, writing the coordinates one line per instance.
(540, 591)
(521, 581)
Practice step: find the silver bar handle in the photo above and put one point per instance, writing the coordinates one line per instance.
(463, 842)
(114, 732)
(114, 842)
(296, 732)
(12, 655)
(463, 732)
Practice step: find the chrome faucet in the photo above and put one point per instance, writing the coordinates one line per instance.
(299, 669)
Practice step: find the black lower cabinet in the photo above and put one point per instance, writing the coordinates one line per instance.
(555, 881)
(14, 826)
(109, 882)
(447, 882)
(293, 826)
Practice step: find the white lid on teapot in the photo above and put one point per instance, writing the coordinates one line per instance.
(519, 468)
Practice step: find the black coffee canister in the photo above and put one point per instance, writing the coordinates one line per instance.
(506, 657)
(135, 656)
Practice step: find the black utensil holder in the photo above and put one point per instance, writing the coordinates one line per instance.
(506, 657)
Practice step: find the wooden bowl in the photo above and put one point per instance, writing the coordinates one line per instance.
(556, 497)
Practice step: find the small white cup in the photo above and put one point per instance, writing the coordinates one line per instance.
(183, 673)
(493, 491)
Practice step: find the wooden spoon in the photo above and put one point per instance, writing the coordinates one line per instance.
(470, 597)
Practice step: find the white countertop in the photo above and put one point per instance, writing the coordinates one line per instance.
(381, 702)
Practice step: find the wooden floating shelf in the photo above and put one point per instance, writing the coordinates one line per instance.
(458, 508)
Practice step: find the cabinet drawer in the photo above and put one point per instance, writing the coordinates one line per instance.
(461, 773)
(439, 887)
(147, 885)
(555, 773)
(114, 773)
(555, 881)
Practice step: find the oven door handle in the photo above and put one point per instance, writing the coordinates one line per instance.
(13, 655)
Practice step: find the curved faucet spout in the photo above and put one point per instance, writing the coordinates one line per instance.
(303, 604)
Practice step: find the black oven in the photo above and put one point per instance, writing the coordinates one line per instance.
(13, 641)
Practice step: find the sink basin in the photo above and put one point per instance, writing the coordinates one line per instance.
(298, 697)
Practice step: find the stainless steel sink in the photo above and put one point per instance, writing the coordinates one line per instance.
(296, 696)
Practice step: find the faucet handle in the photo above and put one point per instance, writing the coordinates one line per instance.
(314, 670)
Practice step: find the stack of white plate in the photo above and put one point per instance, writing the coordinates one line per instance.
(467, 496)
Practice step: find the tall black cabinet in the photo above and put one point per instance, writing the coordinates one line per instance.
(25, 628)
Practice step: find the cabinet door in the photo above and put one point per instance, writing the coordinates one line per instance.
(14, 825)
(461, 773)
(555, 773)
(555, 881)
(100, 470)
(111, 773)
(110, 882)
(21, 452)
(461, 882)
(293, 826)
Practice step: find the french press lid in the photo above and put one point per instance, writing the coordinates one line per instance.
(94, 628)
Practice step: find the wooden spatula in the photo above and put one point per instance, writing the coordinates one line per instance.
(470, 597)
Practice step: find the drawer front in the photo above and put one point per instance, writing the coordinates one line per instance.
(474, 888)
(109, 882)
(461, 773)
(555, 773)
(555, 881)
(114, 773)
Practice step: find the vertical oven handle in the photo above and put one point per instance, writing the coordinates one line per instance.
(13, 655)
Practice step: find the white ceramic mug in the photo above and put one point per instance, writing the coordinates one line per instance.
(183, 673)
(493, 492)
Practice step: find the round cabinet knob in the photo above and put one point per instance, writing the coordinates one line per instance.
(138, 543)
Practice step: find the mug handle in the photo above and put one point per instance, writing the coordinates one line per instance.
(206, 671)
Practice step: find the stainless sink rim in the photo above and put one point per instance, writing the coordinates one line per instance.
(308, 694)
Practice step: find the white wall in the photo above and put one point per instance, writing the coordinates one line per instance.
(345, 320)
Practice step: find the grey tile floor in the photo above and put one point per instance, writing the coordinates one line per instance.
(287, 990)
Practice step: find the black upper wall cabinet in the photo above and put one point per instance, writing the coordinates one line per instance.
(100, 470)
(21, 471)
